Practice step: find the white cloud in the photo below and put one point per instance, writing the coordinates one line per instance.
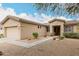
(5, 12)
(42, 17)
(28, 17)
(35, 14)
(36, 17)
(64, 18)
(22, 15)
(61, 17)
(45, 18)
(10, 11)
(0, 5)
(48, 18)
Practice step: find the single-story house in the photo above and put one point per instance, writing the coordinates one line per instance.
(17, 28)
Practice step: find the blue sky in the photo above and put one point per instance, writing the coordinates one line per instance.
(21, 7)
(28, 8)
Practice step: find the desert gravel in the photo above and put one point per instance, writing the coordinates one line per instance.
(66, 47)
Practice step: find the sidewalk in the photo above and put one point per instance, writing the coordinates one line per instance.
(25, 44)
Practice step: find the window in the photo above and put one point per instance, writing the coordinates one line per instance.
(68, 28)
(39, 26)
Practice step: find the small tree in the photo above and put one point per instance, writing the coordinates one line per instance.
(35, 35)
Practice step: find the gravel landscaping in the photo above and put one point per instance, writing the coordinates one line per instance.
(66, 47)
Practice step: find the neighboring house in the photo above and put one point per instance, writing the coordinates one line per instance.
(17, 28)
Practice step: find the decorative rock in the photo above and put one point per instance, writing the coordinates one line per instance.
(54, 38)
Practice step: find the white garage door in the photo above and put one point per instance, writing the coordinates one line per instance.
(12, 33)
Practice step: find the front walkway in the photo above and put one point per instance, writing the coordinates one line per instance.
(24, 43)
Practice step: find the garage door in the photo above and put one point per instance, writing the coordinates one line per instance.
(12, 33)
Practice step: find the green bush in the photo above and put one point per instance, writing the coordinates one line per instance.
(51, 34)
(35, 35)
(71, 35)
(1, 35)
(61, 37)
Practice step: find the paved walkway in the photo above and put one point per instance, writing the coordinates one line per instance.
(25, 44)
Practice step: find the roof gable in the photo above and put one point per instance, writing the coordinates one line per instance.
(11, 22)
(57, 20)
(9, 17)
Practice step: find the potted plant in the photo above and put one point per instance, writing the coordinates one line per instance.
(35, 35)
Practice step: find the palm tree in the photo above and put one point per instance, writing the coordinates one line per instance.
(72, 8)
(58, 8)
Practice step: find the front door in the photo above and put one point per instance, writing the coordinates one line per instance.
(56, 30)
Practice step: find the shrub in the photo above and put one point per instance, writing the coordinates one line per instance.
(71, 35)
(35, 35)
(61, 37)
(51, 34)
(1, 35)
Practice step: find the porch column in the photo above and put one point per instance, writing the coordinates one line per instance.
(50, 28)
(62, 30)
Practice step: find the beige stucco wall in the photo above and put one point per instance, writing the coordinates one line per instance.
(57, 23)
(75, 28)
(10, 24)
(25, 30)
(28, 29)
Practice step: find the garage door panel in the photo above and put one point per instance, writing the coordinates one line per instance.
(12, 33)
